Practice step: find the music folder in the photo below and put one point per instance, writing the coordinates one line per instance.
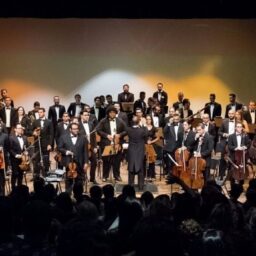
(127, 106)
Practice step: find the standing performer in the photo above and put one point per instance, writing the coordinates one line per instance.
(76, 107)
(4, 148)
(18, 154)
(87, 129)
(136, 152)
(24, 120)
(74, 150)
(233, 105)
(43, 132)
(213, 108)
(112, 130)
(162, 98)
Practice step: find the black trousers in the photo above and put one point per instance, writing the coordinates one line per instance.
(114, 162)
(131, 179)
(41, 168)
(2, 183)
(93, 161)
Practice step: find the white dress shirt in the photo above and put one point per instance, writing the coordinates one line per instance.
(253, 116)
(176, 127)
(238, 139)
(211, 110)
(231, 127)
(112, 126)
(87, 131)
(74, 139)
(78, 110)
(8, 117)
(21, 141)
(57, 109)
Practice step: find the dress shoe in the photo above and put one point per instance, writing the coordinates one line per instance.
(104, 180)
(118, 179)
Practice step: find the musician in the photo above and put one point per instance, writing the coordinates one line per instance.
(188, 141)
(23, 119)
(142, 119)
(136, 152)
(140, 103)
(151, 139)
(228, 126)
(4, 95)
(76, 107)
(43, 132)
(185, 112)
(8, 114)
(97, 109)
(151, 103)
(204, 146)
(162, 98)
(110, 101)
(4, 149)
(178, 105)
(86, 129)
(213, 108)
(120, 114)
(92, 117)
(250, 115)
(125, 96)
(55, 112)
(239, 118)
(33, 114)
(111, 129)
(74, 145)
(238, 141)
(234, 105)
(18, 144)
(173, 137)
(169, 118)
(63, 126)
(208, 126)
(157, 116)
(103, 101)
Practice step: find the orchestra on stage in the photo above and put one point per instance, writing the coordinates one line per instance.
(197, 146)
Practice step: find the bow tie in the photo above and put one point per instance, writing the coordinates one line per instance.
(73, 136)
(113, 120)
(19, 136)
(238, 134)
(252, 111)
(175, 124)
(8, 108)
(85, 122)
(231, 121)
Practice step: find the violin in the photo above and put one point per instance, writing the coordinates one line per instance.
(25, 162)
(72, 169)
(182, 156)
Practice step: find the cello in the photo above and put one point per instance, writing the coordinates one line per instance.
(196, 167)
(238, 173)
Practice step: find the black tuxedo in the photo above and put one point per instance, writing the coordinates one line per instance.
(13, 116)
(72, 108)
(216, 110)
(177, 104)
(238, 106)
(190, 113)
(26, 123)
(125, 97)
(104, 130)
(189, 141)
(161, 120)
(101, 115)
(247, 116)
(211, 130)
(15, 149)
(224, 128)
(164, 98)
(60, 130)
(52, 114)
(140, 104)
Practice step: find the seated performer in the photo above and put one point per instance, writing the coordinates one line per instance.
(136, 152)
(18, 143)
(112, 130)
(238, 144)
(74, 150)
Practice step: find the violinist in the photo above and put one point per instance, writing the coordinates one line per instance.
(111, 129)
(4, 148)
(74, 149)
(18, 143)
(204, 146)
(151, 139)
(87, 129)
(238, 142)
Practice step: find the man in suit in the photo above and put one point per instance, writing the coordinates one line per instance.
(162, 98)
(169, 118)
(55, 112)
(92, 117)
(185, 112)
(212, 108)
(110, 101)
(33, 114)
(188, 141)
(18, 143)
(238, 141)
(204, 146)
(74, 148)
(120, 114)
(76, 107)
(86, 128)
(125, 96)
(233, 104)
(4, 149)
(8, 115)
(97, 109)
(250, 115)
(140, 103)
(63, 126)
(208, 126)
(179, 104)
(173, 137)
(111, 129)
(157, 116)
(4, 95)
(43, 131)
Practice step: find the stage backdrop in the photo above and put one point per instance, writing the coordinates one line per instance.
(41, 58)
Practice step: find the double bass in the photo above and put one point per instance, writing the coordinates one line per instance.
(196, 167)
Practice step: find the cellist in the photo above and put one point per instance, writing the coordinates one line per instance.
(238, 143)
(206, 142)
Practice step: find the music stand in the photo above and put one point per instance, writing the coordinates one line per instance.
(127, 106)
(218, 121)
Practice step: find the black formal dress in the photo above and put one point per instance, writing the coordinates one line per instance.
(17, 148)
(136, 153)
(104, 130)
(80, 150)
